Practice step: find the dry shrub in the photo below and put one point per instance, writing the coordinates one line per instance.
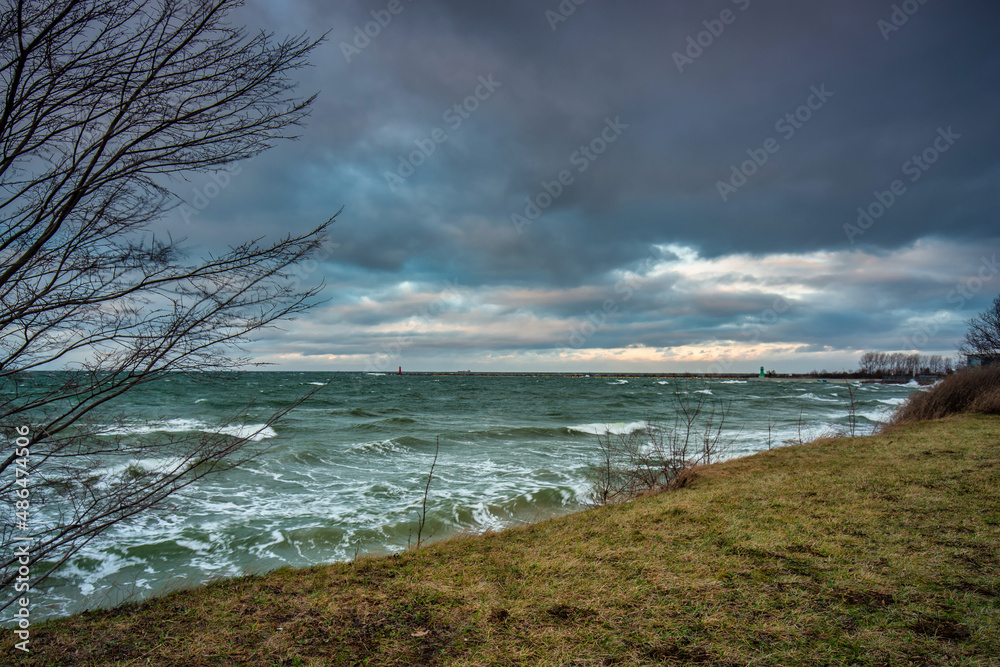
(660, 456)
(971, 390)
(987, 403)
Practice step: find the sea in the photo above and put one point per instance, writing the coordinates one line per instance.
(345, 473)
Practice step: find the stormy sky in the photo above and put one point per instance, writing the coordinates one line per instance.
(634, 186)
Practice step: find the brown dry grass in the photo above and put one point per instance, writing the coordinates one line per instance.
(971, 390)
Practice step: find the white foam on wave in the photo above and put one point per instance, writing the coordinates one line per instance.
(879, 416)
(375, 374)
(194, 545)
(317, 384)
(168, 426)
(260, 549)
(389, 446)
(814, 397)
(619, 382)
(733, 382)
(662, 382)
(704, 391)
(892, 401)
(252, 432)
(616, 428)
(200, 400)
(164, 465)
(108, 565)
(255, 432)
(486, 519)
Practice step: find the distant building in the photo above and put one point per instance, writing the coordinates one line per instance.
(975, 360)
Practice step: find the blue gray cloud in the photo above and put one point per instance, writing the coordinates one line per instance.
(438, 174)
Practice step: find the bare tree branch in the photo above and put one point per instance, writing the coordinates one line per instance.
(105, 101)
(983, 334)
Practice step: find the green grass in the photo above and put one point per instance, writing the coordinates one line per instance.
(867, 551)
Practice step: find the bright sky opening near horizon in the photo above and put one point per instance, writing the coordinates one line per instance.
(590, 185)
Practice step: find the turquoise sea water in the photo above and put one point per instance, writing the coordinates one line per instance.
(345, 472)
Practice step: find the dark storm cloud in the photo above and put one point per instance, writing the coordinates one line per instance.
(686, 130)
(878, 97)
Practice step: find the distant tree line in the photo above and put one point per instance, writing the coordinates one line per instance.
(877, 364)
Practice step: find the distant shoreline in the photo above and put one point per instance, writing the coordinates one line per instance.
(556, 374)
(655, 376)
(827, 377)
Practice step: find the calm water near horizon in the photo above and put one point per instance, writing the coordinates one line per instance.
(347, 469)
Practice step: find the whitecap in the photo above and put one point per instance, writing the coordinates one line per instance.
(107, 565)
(892, 401)
(168, 426)
(277, 538)
(704, 391)
(253, 432)
(165, 465)
(318, 384)
(194, 545)
(389, 446)
(616, 428)
(877, 416)
(814, 397)
(484, 518)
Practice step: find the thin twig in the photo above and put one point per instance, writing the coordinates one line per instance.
(853, 415)
(430, 476)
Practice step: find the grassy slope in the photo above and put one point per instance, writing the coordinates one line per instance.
(882, 551)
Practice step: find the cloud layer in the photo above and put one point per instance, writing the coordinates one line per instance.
(666, 174)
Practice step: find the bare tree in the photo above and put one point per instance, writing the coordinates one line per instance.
(983, 335)
(875, 364)
(105, 103)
